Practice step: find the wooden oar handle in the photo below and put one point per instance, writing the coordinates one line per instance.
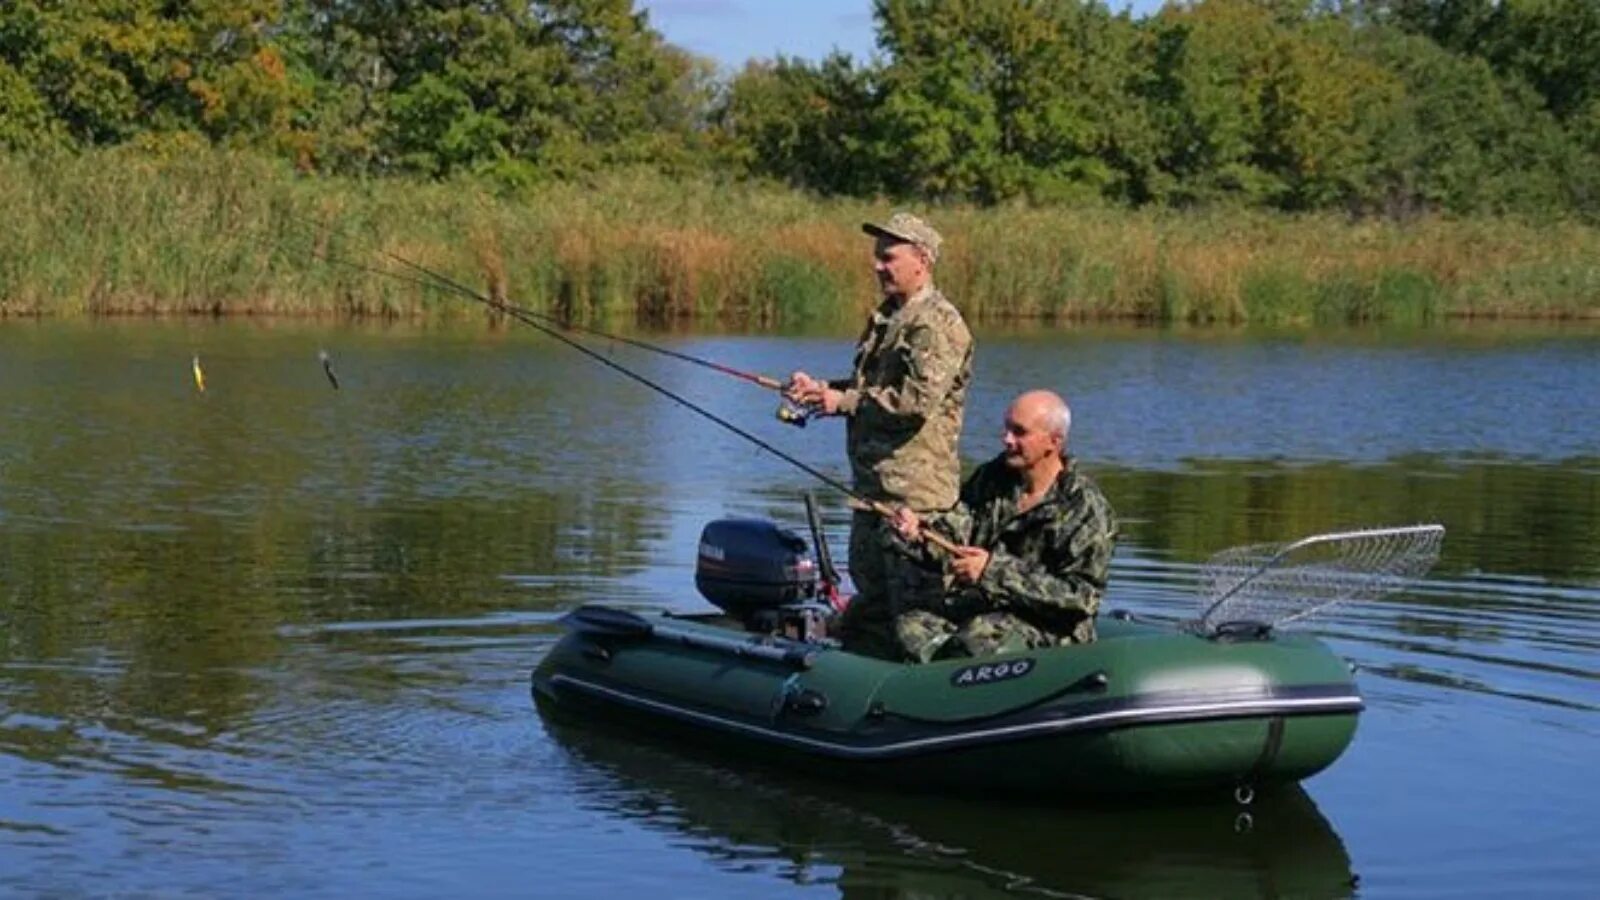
(928, 535)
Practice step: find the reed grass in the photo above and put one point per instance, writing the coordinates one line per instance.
(121, 232)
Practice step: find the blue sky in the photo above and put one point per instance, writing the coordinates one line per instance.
(732, 31)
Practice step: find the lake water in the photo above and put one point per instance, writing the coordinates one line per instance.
(274, 639)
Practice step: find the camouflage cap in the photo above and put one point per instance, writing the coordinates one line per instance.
(903, 226)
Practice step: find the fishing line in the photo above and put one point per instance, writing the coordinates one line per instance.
(438, 280)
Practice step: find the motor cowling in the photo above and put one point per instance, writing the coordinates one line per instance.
(746, 566)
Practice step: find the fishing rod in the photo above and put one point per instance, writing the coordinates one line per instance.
(788, 413)
(530, 318)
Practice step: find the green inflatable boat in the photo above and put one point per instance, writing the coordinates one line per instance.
(1148, 707)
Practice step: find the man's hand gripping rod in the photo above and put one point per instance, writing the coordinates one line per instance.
(925, 534)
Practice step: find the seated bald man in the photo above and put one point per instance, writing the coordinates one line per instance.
(1035, 539)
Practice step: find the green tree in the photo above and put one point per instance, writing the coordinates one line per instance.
(439, 86)
(941, 131)
(1554, 45)
(25, 119)
(108, 70)
(988, 99)
(811, 126)
(1584, 130)
(1463, 26)
(1465, 140)
(1265, 103)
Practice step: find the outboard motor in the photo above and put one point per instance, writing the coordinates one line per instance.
(762, 575)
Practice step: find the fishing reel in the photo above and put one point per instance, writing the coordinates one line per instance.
(795, 414)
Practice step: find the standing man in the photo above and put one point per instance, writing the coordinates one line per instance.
(1035, 538)
(904, 402)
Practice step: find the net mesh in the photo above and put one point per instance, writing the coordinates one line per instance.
(1277, 584)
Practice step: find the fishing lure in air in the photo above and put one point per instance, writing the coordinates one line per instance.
(327, 368)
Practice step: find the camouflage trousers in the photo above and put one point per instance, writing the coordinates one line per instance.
(888, 584)
(925, 636)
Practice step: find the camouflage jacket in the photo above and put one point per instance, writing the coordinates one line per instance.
(905, 399)
(1047, 566)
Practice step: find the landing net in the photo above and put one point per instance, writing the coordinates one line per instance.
(1276, 584)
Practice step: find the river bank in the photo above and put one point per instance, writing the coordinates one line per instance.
(118, 233)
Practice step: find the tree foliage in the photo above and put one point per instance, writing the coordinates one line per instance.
(810, 126)
(989, 99)
(442, 86)
(1371, 106)
(107, 71)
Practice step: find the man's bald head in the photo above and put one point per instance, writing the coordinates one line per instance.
(1035, 435)
(1044, 410)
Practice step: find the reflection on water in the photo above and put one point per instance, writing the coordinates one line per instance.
(900, 845)
(275, 638)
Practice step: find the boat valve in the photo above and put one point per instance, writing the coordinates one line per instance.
(1094, 681)
(807, 702)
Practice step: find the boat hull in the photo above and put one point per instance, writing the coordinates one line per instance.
(1144, 709)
